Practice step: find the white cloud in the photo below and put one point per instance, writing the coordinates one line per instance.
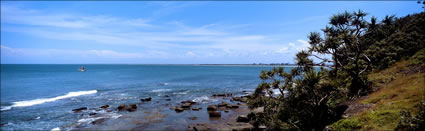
(190, 53)
(283, 50)
(14, 15)
(156, 40)
(7, 51)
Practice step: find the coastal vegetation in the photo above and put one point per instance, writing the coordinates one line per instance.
(378, 65)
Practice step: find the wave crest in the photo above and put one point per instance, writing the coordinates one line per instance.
(44, 100)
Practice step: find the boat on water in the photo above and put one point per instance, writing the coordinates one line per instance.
(82, 69)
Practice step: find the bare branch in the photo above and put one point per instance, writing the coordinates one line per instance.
(323, 59)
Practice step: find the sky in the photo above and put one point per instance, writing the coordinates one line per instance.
(156, 32)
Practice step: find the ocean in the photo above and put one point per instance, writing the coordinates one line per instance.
(42, 97)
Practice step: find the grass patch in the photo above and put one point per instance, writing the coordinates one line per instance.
(396, 91)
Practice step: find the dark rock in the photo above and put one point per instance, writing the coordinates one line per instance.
(214, 114)
(179, 109)
(186, 105)
(229, 105)
(166, 96)
(222, 104)
(92, 114)
(168, 99)
(146, 99)
(236, 98)
(196, 108)
(212, 108)
(131, 107)
(98, 121)
(134, 106)
(191, 102)
(222, 95)
(79, 109)
(242, 118)
(122, 107)
(226, 110)
(193, 118)
(104, 106)
(235, 106)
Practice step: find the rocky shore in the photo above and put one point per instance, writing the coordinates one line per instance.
(229, 112)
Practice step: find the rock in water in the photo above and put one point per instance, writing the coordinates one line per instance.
(196, 108)
(179, 109)
(98, 121)
(132, 107)
(222, 104)
(79, 109)
(212, 108)
(214, 114)
(104, 106)
(229, 105)
(186, 105)
(191, 102)
(242, 118)
(193, 118)
(146, 99)
(122, 107)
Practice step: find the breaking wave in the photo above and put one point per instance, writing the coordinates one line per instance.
(44, 100)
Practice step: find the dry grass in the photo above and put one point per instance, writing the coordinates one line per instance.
(395, 91)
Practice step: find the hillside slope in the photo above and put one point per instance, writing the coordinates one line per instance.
(398, 88)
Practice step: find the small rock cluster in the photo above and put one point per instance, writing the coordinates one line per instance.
(122, 107)
(222, 95)
(186, 105)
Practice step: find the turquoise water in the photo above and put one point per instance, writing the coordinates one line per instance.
(42, 96)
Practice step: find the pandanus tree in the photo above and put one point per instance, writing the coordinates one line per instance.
(343, 40)
(309, 103)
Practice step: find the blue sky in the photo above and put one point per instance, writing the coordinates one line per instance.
(189, 32)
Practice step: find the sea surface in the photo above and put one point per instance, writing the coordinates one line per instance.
(41, 97)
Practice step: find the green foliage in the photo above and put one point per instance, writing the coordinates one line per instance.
(344, 40)
(410, 123)
(346, 125)
(357, 46)
(394, 39)
(310, 103)
(419, 57)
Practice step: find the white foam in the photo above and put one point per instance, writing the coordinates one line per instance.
(161, 90)
(203, 99)
(181, 93)
(44, 100)
(56, 129)
(87, 120)
(5, 108)
(164, 84)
